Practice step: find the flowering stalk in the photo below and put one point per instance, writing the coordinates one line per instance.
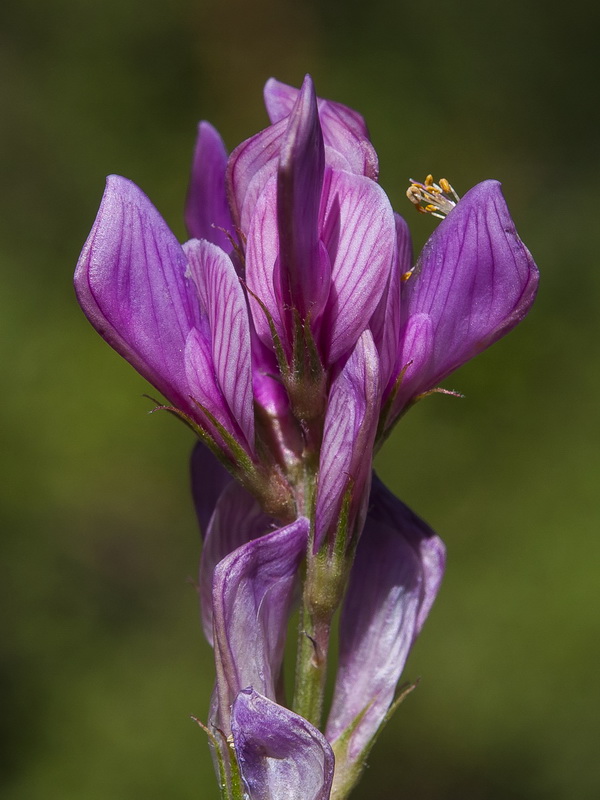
(291, 333)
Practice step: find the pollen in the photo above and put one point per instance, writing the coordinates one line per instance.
(437, 199)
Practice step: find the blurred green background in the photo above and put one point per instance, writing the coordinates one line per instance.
(101, 656)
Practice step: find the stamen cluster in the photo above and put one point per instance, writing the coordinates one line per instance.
(437, 199)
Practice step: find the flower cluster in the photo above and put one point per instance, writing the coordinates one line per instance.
(291, 332)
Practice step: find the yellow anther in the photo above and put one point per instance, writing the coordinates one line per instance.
(406, 275)
(414, 194)
(437, 199)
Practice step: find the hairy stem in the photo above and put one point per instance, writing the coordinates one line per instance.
(311, 663)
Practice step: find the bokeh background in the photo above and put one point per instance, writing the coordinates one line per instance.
(101, 656)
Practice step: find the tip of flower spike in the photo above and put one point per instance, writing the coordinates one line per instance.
(437, 199)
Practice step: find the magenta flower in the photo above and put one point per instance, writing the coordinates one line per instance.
(472, 283)
(334, 274)
(291, 333)
(246, 600)
(313, 239)
(178, 316)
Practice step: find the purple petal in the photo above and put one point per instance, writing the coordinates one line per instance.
(206, 210)
(204, 389)
(279, 99)
(262, 254)
(281, 755)
(417, 347)
(208, 479)
(388, 509)
(224, 303)
(394, 580)
(385, 323)
(360, 236)
(303, 273)
(131, 283)
(349, 433)
(475, 280)
(237, 519)
(268, 390)
(250, 166)
(252, 593)
(263, 272)
(344, 130)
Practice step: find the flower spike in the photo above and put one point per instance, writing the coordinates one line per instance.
(290, 334)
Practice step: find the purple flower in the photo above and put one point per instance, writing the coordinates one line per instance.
(252, 592)
(348, 438)
(290, 333)
(296, 214)
(394, 580)
(179, 316)
(320, 239)
(472, 283)
(280, 754)
(345, 134)
(236, 520)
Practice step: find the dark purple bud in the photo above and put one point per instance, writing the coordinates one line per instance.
(303, 269)
(280, 754)
(347, 143)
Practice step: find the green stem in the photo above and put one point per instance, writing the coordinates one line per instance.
(326, 576)
(311, 662)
